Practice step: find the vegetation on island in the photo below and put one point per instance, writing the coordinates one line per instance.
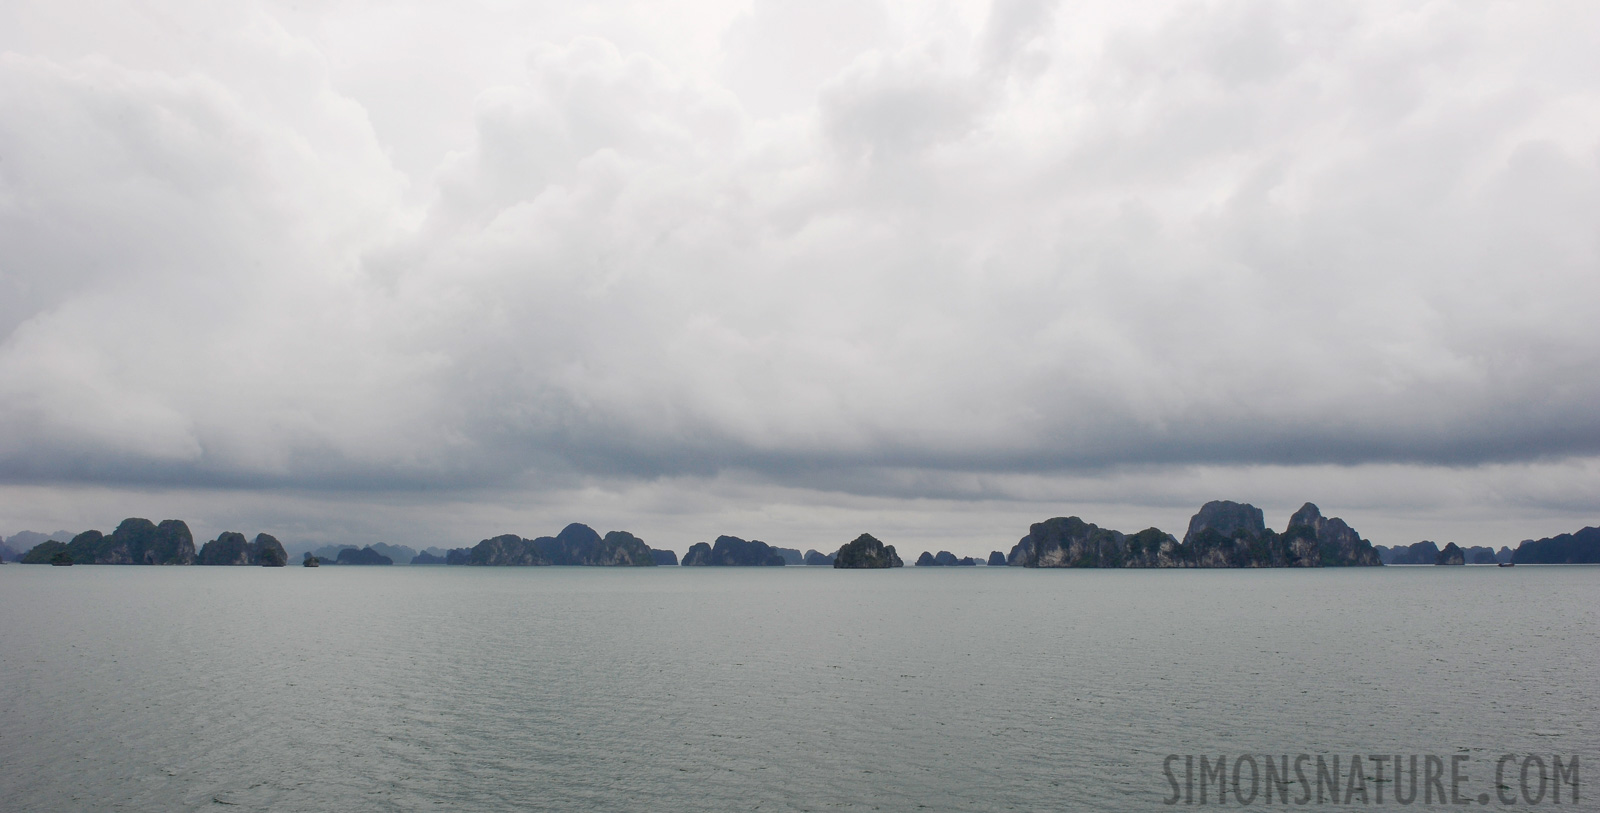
(866, 552)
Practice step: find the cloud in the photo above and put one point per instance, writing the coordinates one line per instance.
(993, 243)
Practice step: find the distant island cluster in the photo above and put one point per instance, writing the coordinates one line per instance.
(1222, 535)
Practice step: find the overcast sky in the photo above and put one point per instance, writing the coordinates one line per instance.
(798, 269)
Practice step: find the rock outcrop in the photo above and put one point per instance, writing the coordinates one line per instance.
(1222, 534)
(231, 548)
(620, 548)
(1310, 541)
(134, 542)
(819, 559)
(1335, 543)
(1451, 555)
(1071, 542)
(997, 559)
(1479, 555)
(507, 550)
(866, 552)
(1230, 520)
(426, 558)
(791, 556)
(665, 558)
(731, 551)
(269, 551)
(1580, 548)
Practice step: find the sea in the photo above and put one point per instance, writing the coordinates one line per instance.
(797, 688)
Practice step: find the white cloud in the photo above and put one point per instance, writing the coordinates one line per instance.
(899, 248)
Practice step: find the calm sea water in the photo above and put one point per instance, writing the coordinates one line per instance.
(145, 688)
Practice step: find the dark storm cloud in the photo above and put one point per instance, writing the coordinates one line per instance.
(264, 250)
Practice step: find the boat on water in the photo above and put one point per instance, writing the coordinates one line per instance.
(1508, 564)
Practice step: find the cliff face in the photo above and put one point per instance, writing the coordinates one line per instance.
(1336, 544)
(267, 551)
(997, 559)
(866, 552)
(230, 548)
(577, 544)
(1222, 534)
(134, 542)
(1451, 555)
(1228, 519)
(731, 551)
(1071, 542)
(508, 550)
(665, 557)
(620, 548)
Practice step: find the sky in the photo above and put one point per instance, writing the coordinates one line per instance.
(423, 273)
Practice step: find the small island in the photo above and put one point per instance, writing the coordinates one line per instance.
(231, 548)
(866, 552)
(944, 558)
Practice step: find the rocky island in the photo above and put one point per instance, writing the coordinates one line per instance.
(731, 551)
(1451, 555)
(577, 544)
(1420, 553)
(944, 558)
(231, 548)
(364, 556)
(1581, 548)
(818, 559)
(866, 552)
(1222, 534)
(135, 542)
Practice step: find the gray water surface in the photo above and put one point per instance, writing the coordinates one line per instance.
(150, 688)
